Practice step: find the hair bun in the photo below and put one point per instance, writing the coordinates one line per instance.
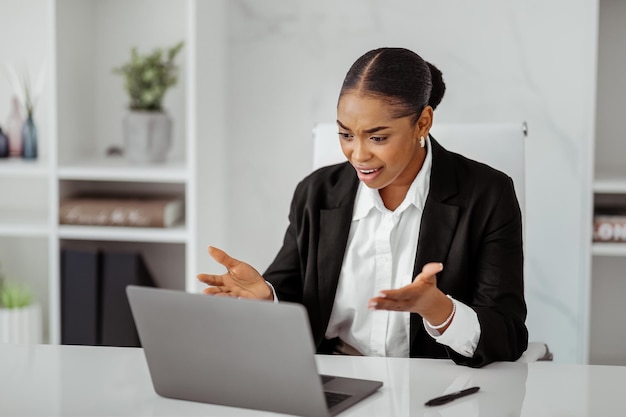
(438, 88)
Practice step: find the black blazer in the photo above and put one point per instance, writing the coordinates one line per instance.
(471, 223)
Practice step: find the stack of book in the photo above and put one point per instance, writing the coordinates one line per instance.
(609, 224)
(121, 211)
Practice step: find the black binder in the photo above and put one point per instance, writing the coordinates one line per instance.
(120, 269)
(80, 297)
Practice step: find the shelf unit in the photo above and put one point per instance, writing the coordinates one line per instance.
(609, 184)
(23, 168)
(609, 249)
(607, 345)
(79, 117)
(19, 217)
(117, 169)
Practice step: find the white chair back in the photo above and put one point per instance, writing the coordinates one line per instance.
(326, 148)
(501, 146)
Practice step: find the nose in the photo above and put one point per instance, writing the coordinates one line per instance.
(359, 151)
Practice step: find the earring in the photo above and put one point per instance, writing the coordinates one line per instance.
(422, 141)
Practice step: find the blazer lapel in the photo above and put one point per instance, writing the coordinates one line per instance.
(335, 223)
(439, 219)
(440, 216)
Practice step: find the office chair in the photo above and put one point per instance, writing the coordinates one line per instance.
(500, 146)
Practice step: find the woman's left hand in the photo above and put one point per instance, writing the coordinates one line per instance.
(421, 296)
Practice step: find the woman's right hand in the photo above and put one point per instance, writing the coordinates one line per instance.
(240, 280)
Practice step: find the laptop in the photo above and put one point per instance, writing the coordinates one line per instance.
(237, 352)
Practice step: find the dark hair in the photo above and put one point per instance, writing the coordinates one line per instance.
(399, 76)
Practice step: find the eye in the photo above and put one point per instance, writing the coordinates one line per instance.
(344, 135)
(377, 138)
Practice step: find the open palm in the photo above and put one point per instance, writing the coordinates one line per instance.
(240, 280)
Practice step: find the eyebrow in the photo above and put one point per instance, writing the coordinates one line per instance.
(372, 130)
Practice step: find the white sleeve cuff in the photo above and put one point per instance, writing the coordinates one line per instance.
(273, 291)
(463, 333)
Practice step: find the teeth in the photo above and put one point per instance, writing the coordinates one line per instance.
(367, 171)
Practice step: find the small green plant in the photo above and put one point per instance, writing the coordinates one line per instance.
(13, 295)
(147, 77)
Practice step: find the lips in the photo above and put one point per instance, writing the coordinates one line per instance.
(368, 171)
(368, 175)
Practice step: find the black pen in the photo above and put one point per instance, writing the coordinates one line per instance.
(450, 397)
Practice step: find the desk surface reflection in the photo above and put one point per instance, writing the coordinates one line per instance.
(47, 380)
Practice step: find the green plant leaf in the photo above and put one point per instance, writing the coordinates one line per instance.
(147, 77)
(15, 296)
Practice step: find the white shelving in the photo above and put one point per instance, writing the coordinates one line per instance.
(79, 117)
(608, 259)
(608, 249)
(22, 168)
(118, 169)
(19, 223)
(609, 184)
(174, 234)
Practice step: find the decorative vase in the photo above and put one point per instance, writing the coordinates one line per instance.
(29, 139)
(14, 128)
(147, 136)
(4, 145)
(21, 325)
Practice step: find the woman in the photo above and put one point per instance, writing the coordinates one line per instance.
(406, 249)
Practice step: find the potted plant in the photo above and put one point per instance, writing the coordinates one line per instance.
(20, 315)
(147, 126)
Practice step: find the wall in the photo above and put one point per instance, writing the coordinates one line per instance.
(211, 130)
(530, 61)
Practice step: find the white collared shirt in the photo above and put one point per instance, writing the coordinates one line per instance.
(380, 255)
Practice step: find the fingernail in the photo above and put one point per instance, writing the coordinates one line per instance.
(382, 295)
(372, 305)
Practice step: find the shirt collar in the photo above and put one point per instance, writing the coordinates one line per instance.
(368, 198)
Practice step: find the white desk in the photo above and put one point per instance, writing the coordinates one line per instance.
(46, 380)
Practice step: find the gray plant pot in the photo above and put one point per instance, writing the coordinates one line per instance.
(147, 136)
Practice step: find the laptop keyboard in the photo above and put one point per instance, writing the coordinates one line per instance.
(334, 398)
